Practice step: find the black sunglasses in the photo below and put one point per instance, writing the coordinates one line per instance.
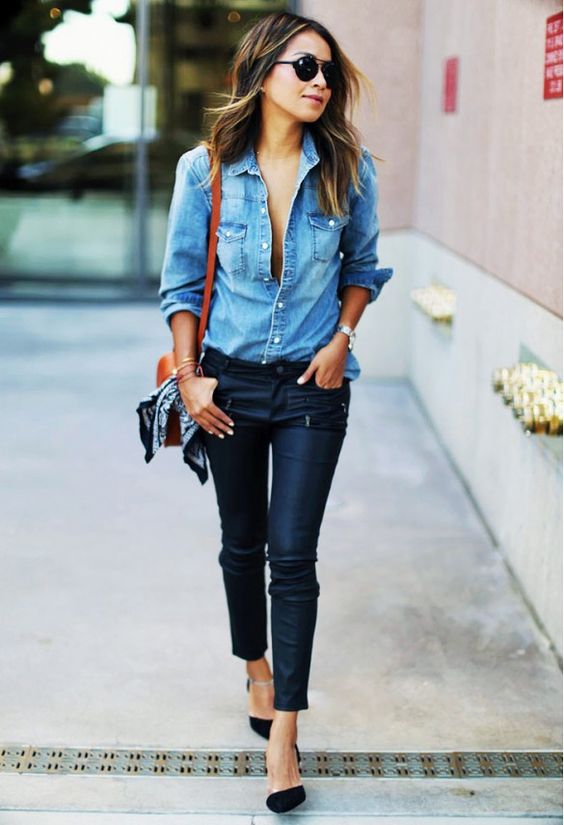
(306, 68)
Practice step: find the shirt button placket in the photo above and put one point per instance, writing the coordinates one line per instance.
(266, 278)
(264, 246)
(277, 328)
(273, 348)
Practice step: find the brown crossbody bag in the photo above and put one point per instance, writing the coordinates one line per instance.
(166, 364)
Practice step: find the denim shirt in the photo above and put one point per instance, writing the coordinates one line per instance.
(251, 315)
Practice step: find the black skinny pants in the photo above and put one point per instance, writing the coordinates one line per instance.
(306, 426)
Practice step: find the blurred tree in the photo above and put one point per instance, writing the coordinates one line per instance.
(28, 102)
(23, 22)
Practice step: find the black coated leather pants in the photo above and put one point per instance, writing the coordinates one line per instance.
(306, 426)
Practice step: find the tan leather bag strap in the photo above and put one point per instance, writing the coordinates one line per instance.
(212, 251)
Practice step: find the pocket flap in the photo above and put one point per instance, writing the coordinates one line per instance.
(231, 231)
(328, 222)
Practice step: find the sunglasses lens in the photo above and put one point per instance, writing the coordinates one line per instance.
(330, 74)
(306, 68)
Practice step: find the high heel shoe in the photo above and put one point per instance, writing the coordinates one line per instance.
(282, 801)
(260, 726)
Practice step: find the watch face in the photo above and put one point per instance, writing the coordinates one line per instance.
(351, 335)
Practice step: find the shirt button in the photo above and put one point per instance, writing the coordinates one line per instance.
(277, 340)
(280, 304)
(280, 369)
(228, 233)
(265, 245)
(331, 222)
(263, 210)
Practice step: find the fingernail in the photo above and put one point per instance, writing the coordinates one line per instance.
(230, 432)
(300, 380)
(221, 435)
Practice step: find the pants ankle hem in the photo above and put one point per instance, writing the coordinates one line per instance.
(248, 658)
(301, 707)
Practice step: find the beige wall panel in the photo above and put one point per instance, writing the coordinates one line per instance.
(485, 181)
(489, 175)
(382, 38)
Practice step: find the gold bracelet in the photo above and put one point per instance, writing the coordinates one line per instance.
(176, 370)
(186, 366)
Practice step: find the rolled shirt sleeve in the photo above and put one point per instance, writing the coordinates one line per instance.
(183, 273)
(359, 239)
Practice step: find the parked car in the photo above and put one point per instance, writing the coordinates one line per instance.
(82, 126)
(101, 163)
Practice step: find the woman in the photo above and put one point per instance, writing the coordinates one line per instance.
(298, 189)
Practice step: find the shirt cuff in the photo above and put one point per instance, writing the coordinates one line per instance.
(181, 303)
(373, 280)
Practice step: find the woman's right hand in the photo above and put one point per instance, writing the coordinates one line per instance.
(196, 393)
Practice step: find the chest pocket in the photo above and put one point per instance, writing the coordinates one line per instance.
(326, 234)
(231, 246)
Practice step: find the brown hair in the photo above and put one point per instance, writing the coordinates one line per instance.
(238, 121)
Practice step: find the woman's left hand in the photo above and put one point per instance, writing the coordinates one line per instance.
(329, 364)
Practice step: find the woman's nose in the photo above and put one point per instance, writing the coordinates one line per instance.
(320, 77)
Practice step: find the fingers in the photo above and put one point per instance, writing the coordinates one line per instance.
(330, 386)
(313, 369)
(201, 407)
(305, 376)
(216, 412)
(329, 383)
(215, 420)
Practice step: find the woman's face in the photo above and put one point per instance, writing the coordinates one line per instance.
(304, 100)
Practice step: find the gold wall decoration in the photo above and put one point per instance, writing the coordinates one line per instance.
(436, 300)
(534, 393)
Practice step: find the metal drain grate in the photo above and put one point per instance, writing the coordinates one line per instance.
(347, 764)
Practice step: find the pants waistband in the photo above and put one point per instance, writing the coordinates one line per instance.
(278, 367)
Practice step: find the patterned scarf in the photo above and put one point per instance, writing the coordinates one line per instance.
(153, 414)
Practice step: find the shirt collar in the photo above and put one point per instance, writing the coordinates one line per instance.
(247, 162)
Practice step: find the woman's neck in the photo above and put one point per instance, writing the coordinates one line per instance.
(275, 143)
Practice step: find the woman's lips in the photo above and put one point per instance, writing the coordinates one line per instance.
(314, 97)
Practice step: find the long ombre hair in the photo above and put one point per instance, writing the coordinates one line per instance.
(238, 121)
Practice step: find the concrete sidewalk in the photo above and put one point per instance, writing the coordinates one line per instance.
(27, 818)
(114, 626)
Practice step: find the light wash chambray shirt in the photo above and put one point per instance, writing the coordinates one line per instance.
(252, 316)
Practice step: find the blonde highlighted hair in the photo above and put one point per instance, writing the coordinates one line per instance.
(237, 122)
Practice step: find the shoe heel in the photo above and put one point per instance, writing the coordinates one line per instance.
(260, 726)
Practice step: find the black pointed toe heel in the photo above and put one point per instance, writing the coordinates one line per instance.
(260, 726)
(282, 801)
